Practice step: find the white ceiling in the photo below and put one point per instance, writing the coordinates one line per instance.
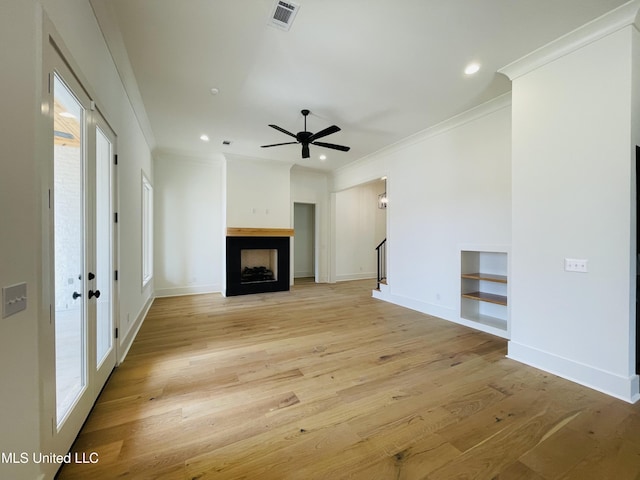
(379, 69)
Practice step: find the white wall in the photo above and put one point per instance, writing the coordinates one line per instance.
(258, 193)
(25, 421)
(77, 26)
(573, 173)
(188, 225)
(20, 238)
(448, 186)
(359, 227)
(191, 200)
(134, 158)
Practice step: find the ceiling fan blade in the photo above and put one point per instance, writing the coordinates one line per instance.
(305, 150)
(278, 144)
(280, 129)
(324, 133)
(332, 145)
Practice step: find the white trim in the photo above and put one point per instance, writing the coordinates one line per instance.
(215, 159)
(127, 341)
(190, 290)
(147, 230)
(475, 113)
(316, 242)
(105, 17)
(624, 388)
(607, 24)
(479, 325)
(346, 277)
(303, 274)
(438, 311)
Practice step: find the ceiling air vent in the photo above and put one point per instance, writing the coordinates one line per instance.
(283, 14)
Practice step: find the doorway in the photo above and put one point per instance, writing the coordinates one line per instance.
(304, 242)
(81, 253)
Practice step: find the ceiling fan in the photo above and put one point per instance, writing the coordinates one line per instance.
(307, 138)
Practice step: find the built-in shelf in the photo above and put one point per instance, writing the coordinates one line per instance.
(483, 289)
(486, 297)
(485, 276)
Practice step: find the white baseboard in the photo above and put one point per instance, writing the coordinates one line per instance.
(345, 277)
(303, 274)
(439, 311)
(622, 387)
(189, 290)
(127, 341)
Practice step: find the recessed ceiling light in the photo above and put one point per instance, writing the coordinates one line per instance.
(204, 138)
(322, 157)
(472, 68)
(214, 91)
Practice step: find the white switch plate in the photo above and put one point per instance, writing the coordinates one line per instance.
(14, 299)
(576, 265)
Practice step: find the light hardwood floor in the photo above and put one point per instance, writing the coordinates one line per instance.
(325, 382)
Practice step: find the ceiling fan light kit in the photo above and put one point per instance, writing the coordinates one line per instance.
(306, 138)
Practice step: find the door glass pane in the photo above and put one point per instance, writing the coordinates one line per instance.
(69, 252)
(147, 231)
(104, 234)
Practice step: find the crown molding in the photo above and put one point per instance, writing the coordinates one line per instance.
(475, 113)
(598, 28)
(106, 18)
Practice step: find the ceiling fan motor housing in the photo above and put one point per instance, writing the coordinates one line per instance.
(303, 137)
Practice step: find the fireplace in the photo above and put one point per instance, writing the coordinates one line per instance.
(257, 264)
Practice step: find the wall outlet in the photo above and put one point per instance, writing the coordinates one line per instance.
(576, 265)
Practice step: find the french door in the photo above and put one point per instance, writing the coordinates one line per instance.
(82, 251)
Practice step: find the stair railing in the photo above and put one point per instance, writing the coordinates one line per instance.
(381, 250)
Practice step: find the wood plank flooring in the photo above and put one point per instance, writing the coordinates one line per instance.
(325, 382)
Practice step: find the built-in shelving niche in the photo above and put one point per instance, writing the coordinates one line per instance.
(484, 291)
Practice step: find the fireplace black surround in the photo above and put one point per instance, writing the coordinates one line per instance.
(278, 278)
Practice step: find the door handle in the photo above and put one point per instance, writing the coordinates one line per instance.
(76, 295)
(94, 294)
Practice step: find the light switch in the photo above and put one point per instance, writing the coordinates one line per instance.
(14, 299)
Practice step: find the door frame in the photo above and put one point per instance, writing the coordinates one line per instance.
(315, 239)
(636, 259)
(55, 56)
